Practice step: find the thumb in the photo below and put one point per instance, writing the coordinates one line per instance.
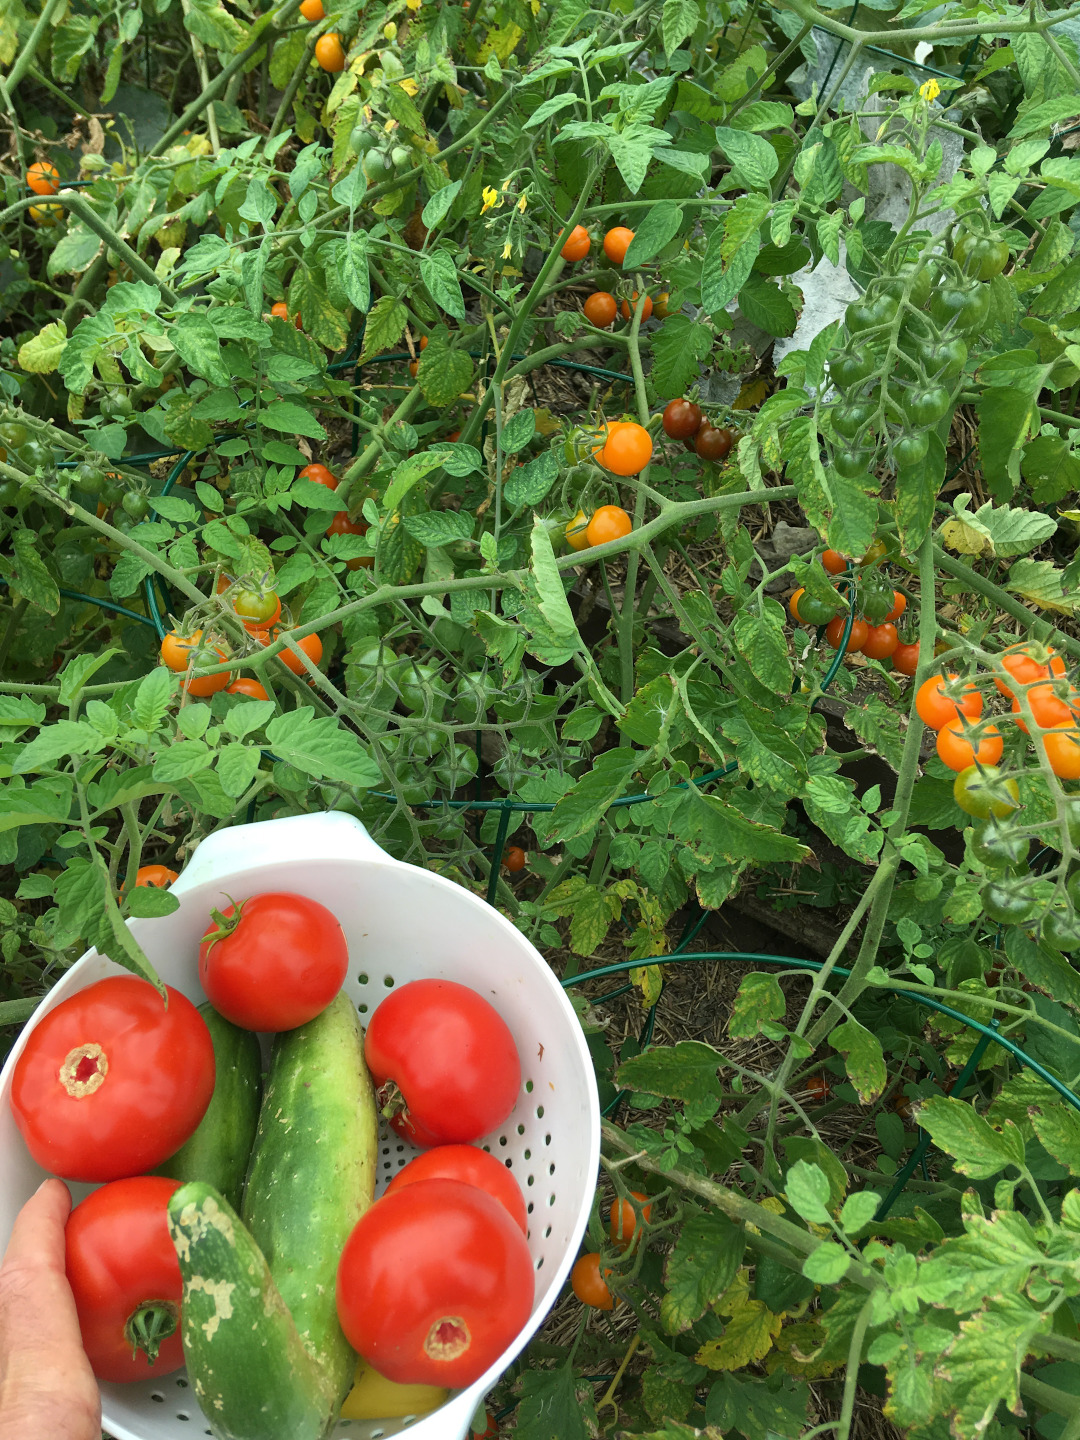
(37, 1237)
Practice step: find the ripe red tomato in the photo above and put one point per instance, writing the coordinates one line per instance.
(159, 875)
(834, 562)
(610, 522)
(43, 178)
(472, 1166)
(600, 309)
(589, 1285)
(629, 307)
(124, 1274)
(281, 310)
(834, 634)
(319, 475)
(576, 245)
(713, 442)
(342, 525)
(906, 659)
(818, 1087)
(514, 859)
(958, 752)
(881, 642)
(936, 709)
(446, 1060)
(246, 686)
(112, 1082)
(627, 450)
(616, 243)
(681, 419)
(276, 966)
(624, 1221)
(434, 1283)
(1025, 667)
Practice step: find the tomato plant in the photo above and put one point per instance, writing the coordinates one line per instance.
(445, 1062)
(273, 962)
(111, 1082)
(434, 1282)
(125, 1277)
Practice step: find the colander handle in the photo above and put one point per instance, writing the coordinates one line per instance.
(330, 835)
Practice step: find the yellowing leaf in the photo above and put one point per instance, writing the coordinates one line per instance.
(501, 43)
(748, 1336)
(965, 540)
(797, 1349)
(41, 354)
(751, 395)
(650, 980)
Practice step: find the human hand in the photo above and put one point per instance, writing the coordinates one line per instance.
(46, 1385)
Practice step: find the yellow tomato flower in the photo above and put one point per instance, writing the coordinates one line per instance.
(930, 90)
(491, 198)
(523, 202)
(508, 250)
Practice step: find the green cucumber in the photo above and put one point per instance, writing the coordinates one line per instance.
(219, 1149)
(253, 1375)
(312, 1173)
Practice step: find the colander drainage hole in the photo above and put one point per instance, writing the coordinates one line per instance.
(180, 1415)
(502, 1139)
(528, 1087)
(388, 981)
(361, 979)
(528, 1154)
(521, 1129)
(539, 1112)
(530, 1180)
(160, 1399)
(181, 1382)
(540, 1263)
(547, 1232)
(509, 1162)
(547, 1139)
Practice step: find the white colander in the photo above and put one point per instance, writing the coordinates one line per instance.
(402, 923)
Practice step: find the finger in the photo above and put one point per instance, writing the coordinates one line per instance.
(37, 1236)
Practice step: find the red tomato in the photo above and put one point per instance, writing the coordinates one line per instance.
(319, 475)
(434, 1283)
(627, 450)
(246, 686)
(275, 967)
(834, 562)
(881, 642)
(281, 310)
(576, 244)
(713, 442)
(906, 659)
(1062, 746)
(311, 646)
(600, 309)
(818, 1087)
(1048, 709)
(112, 1082)
(589, 1285)
(125, 1277)
(159, 875)
(629, 308)
(180, 652)
(514, 859)
(446, 1060)
(834, 634)
(681, 419)
(624, 1221)
(472, 1166)
(608, 523)
(616, 243)
(899, 605)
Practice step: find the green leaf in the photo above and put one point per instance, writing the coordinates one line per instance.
(766, 306)
(759, 1001)
(293, 419)
(680, 20)
(808, 1192)
(148, 902)
(443, 373)
(758, 1409)
(320, 749)
(197, 345)
(41, 354)
(719, 831)
(438, 207)
(700, 1268)
(864, 1060)
(182, 759)
(237, 766)
(686, 1070)
(27, 576)
(353, 273)
(917, 489)
(439, 275)
(1050, 467)
(679, 348)
(79, 670)
(1004, 420)
(1058, 1127)
(57, 742)
(519, 430)
(440, 527)
(401, 107)
(581, 808)
(659, 226)
(40, 804)
(756, 160)
(978, 1149)
(385, 326)
(981, 1368)
(827, 1264)
(529, 483)
(553, 603)
(551, 1409)
(761, 639)
(720, 284)
(153, 696)
(408, 473)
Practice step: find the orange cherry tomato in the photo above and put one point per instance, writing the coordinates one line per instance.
(319, 475)
(330, 53)
(629, 307)
(342, 525)
(246, 686)
(576, 245)
(600, 309)
(936, 709)
(414, 368)
(1025, 669)
(43, 178)
(616, 243)
(513, 859)
(577, 532)
(281, 310)
(793, 605)
(834, 634)
(624, 1221)
(423, 342)
(589, 1285)
(160, 876)
(180, 651)
(662, 302)
(1062, 747)
(834, 562)
(899, 605)
(311, 646)
(312, 11)
(46, 214)
(1047, 708)
(610, 522)
(906, 659)
(958, 752)
(818, 1087)
(881, 641)
(627, 450)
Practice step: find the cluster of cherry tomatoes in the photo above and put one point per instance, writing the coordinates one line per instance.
(43, 178)
(874, 632)
(601, 307)
(684, 420)
(589, 1277)
(609, 522)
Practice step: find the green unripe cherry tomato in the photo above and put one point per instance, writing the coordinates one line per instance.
(115, 407)
(980, 256)
(967, 306)
(34, 453)
(983, 791)
(112, 493)
(9, 493)
(850, 416)
(870, 313)
(89, 478)
(474, 693)
(1000, 844)
(13, 434)
(943, 359)
(1061, 927)
(813, 611)
(412, 782)
(456, 767)
(1008, 901)
(876, 598)
(851, 367)
(401, 157)
(912, 278)
(136, 504)
(852, 463)
(926, 406)
(377, 166)
(362, 139)
(911, 450)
